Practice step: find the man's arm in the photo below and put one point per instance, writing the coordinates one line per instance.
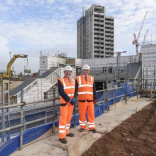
(62, 93)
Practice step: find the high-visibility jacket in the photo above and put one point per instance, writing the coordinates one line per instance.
(85, 88)
(69, 88)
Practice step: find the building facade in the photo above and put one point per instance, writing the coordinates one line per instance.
(47, 61)
(149, 63)
(95, 34)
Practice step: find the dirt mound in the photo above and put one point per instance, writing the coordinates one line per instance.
(135, 136)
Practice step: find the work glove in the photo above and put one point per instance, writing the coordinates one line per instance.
(73, 101)
(95, 101)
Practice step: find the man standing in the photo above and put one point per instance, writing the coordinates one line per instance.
(85, 89)
(66, 88)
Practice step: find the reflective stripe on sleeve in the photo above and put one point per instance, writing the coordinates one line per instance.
(86, 85)
(70, 94)
(69, 87)
(85, 92)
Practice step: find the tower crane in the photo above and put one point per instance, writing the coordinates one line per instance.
(136, 39)
(145, 37)
(144, 40)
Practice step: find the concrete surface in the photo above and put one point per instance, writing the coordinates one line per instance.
(50, 146)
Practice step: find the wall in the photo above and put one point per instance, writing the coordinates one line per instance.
(12, 85)
(148, 61)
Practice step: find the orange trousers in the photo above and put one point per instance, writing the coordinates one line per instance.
(65, 118)
(89, 108)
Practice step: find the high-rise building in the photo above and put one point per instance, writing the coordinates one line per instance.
(95, 34)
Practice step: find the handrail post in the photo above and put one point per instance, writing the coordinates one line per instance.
(126, 93)
(3, 118)
(138, 89)
(154, 82)
(75, 115)
(107, 94)
(143, 83)
(113, 92)
(103, 97)
(45, 121)
(54, 98)
(21, 110)
(126, 98)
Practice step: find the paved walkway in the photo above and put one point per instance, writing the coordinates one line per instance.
(50, 146)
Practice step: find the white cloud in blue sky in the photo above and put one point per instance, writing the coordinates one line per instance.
(30, 26)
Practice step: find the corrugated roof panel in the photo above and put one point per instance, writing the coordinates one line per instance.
(29, 81)
(48, 72)
(24, 84)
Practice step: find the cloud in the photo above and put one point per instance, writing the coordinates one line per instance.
(51, 25)
(50, 1)
(10, 2)
(4, 44)
(3, 8)
(43, 33)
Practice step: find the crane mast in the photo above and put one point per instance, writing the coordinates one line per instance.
(145, 37)
(136, 39)
(144, 40)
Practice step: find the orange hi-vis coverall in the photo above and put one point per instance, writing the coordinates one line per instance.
(86, 94)
(66, 90)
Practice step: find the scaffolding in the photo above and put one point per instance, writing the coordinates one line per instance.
(48, 110)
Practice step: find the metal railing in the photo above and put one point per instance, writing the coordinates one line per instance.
(22, 123)
(104, 100)
(52, 78)
(109, 94)
(148, 83)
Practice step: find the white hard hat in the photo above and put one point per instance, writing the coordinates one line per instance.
(86, 67)
(68, 68)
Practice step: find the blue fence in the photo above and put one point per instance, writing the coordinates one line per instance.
(12, 145)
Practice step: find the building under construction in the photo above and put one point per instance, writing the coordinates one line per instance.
(31, 110)
(33, 106)
(95, 34)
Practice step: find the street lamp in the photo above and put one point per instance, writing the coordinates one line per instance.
(10, 55)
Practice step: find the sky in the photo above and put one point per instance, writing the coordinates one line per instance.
(30, 26)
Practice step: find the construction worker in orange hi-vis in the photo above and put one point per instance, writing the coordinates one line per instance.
(66, 88)
(86, 92)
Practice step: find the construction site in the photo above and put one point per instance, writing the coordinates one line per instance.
(125, 111)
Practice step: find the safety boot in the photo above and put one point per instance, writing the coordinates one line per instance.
(64, 141)
(81, 130)
(70, 135)
(93, 130)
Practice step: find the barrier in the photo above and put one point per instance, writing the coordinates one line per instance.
(29, 135)
(105, 98)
